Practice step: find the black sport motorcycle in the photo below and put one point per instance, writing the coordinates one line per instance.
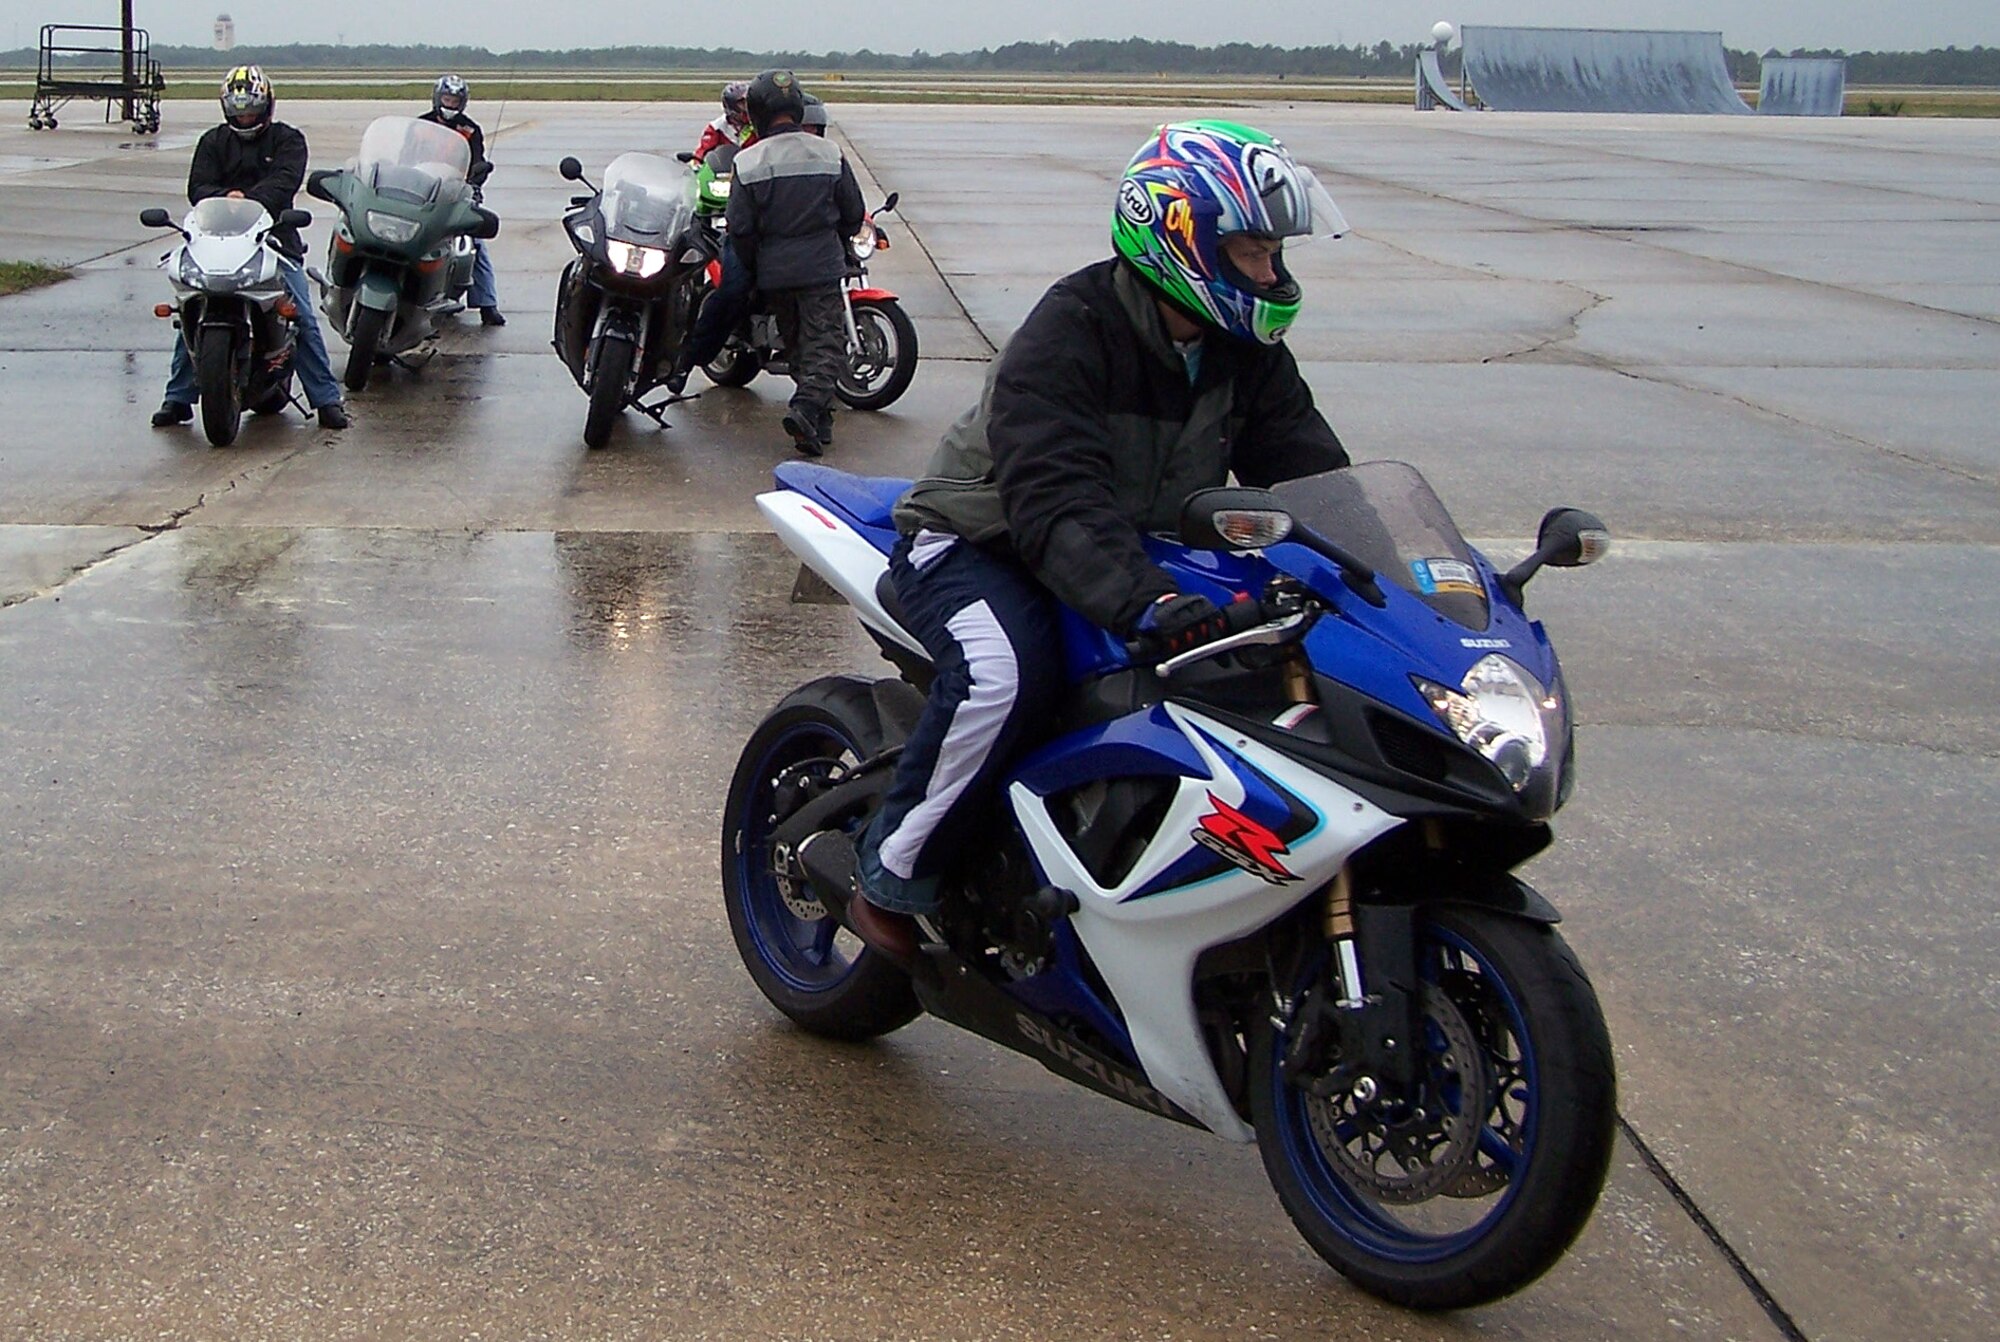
(626, 303)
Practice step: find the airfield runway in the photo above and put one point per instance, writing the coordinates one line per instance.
(362, 966)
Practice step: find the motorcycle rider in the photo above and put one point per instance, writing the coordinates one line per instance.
(253, 156)
(449, 97)
(733, 126)
(730, 303)
(794, 205)
(1134, 382)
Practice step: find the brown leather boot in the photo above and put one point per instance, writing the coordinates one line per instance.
(893, 934)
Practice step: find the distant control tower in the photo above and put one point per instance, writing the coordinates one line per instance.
(225, 32)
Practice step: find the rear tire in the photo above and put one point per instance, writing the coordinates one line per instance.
(1539, 1144)
(363, 340)
(607, 390)
(734, 367)
(215, 380)
(808, 967)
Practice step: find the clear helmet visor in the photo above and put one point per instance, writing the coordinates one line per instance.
(1296, 205)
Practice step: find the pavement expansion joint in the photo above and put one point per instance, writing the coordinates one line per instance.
(1781, 1318)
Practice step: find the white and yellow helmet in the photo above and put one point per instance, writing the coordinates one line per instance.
(247, 101)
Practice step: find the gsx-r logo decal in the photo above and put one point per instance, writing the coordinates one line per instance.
(1237, 839)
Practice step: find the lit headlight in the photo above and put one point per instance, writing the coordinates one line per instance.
(1503, 713)
(392, 227)
(864, 243)
(629, 259)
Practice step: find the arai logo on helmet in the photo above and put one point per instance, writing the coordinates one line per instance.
(1136, 203)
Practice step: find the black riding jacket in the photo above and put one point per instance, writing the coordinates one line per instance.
(466, 126)
(793, 207)
(269, 169)
(1088, 433)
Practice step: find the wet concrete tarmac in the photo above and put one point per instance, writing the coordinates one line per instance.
(364, 969)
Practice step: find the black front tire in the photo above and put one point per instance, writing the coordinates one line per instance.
(1551, 1120)
(363, 341)
(215, 379)
(839, 991)
(881, 369)
(607, 390)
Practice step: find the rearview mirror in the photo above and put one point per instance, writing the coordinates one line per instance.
(1233, 519)
(571, 169)
(488, 225)
(294, 218)
(890, 203)
(1571, 537)
(155, 218)
(685, 156)
(316, 184)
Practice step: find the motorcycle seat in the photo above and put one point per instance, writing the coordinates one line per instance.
(865, 500)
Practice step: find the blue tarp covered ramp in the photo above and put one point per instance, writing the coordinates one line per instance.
(1802, 86)
(1599, 70)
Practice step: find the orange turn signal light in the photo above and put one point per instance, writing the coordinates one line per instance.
(163, 309)
(287, 309)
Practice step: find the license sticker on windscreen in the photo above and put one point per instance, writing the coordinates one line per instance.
(1440, 577)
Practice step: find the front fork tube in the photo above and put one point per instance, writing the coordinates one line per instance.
(1357, 1028)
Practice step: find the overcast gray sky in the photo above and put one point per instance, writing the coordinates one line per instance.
(953, 25)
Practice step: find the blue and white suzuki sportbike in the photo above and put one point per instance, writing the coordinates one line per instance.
(1263, 887)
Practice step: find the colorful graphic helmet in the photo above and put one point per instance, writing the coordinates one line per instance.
(736, 102)
(247, 101)
(1194, 184)
(450, 95)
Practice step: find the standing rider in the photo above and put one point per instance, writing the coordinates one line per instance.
(1134, 382)
(793, 207)
(251, 156)
(449, 97)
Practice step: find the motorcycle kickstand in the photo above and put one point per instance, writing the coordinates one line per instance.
(657, 412)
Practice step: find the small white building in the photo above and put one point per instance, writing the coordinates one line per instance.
(225, 32)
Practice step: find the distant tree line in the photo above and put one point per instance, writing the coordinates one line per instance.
(1133, 56)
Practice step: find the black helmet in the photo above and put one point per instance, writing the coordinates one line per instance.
(814, 117)
(774, 94)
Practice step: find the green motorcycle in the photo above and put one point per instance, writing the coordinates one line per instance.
(401, 254)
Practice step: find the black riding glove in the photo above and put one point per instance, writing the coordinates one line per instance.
(1176, 623)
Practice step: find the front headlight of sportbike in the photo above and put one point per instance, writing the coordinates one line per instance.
(1505, 714)
(392, 227)
(864, 243)
(631, 259)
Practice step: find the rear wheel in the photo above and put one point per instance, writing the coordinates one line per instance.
(806, 963)
(607, 389)
(1472, 1188)
(734, 367)
(363, 340)
(215, 379)
(884, 359)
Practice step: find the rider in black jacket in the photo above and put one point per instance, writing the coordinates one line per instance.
(1134, 382)
(253, 156)
(449, 97)
(793, 207)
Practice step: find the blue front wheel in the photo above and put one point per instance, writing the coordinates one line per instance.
(1474, 1185)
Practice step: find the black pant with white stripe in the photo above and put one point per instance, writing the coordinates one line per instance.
(994, 634)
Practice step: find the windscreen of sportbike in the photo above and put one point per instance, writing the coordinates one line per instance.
(648, 200)
(1385, 515)
(414, 161)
